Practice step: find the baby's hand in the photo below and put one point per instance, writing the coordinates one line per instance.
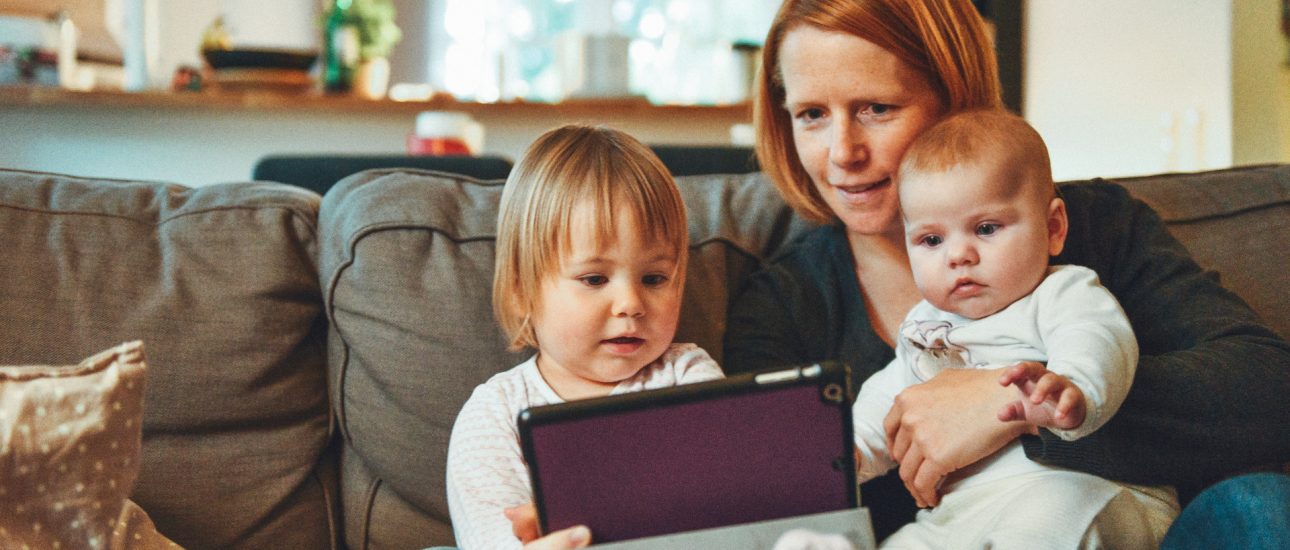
(1048, 399)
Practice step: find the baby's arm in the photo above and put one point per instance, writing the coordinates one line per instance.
(486, 472)
(873, 455)
(1048, 399)
(1088, 341)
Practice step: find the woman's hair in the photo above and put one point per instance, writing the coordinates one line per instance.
(944, 40)
(565, 169)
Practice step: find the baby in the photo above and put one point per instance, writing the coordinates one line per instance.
(982, 217)
(591, 258)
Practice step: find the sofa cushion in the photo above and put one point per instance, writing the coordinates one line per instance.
(71, 440)
(1231, 221)
(406, 264)
(220, 282)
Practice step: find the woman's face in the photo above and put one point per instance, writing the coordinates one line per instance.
(855, 108)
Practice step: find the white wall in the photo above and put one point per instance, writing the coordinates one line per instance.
(1260, 86)
(199, 146)
(1123, 88)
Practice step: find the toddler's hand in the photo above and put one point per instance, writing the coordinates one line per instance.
(1048, 399)
(524, 525)
(805, 539)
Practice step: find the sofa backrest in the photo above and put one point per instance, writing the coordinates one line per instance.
(1232, 221)
(406, 264)
(219, 282)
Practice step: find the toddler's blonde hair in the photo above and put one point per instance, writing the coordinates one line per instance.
(563, 169)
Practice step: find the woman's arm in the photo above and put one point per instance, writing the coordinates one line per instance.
(1210, 393)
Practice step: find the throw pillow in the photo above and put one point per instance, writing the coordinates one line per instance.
(69, 443)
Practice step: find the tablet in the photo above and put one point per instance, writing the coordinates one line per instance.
(749, 448)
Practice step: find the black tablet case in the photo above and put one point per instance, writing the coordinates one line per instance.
(748, 448)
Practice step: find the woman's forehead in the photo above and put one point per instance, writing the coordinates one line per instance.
(813, 62)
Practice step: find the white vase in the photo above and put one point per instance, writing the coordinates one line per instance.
(372, 78)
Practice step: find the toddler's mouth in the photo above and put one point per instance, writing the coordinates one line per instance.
(625, 340)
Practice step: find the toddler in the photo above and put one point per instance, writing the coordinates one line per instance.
(982, 217)
(591, 258)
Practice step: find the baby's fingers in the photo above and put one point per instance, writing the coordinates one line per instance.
(1021, 372)
(1049, 386)
(1012, 411)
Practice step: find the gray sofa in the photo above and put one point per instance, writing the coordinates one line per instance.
(307, 355)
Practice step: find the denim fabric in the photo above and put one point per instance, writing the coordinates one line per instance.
(1250, 511)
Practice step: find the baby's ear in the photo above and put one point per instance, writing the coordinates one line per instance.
(1057, 226)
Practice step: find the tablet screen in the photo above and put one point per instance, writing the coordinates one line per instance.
(748, 448)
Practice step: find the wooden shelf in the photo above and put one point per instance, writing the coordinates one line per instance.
(46, 96)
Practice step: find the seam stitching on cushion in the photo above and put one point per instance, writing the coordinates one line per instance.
(159, 222)
(368, 507)
(1227, 213)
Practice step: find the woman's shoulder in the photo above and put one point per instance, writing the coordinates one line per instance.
(1093, 194)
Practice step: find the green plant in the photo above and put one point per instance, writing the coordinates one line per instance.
(374, 20)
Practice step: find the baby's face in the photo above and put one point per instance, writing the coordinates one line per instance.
(610, 310)
(979, 236)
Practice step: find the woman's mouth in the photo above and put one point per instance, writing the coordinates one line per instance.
(860, 191)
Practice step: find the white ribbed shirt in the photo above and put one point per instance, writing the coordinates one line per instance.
(486, 470)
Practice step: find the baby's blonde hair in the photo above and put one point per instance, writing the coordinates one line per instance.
(971, 137)
(563, 169)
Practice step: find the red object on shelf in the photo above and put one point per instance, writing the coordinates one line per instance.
(439, 146)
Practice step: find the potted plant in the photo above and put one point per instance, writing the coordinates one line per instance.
(371, 24)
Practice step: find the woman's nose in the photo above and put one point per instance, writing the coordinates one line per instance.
(847, 145)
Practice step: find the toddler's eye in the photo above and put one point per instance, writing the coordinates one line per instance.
(654, 280)
(593, 280)
(987, 229)
(931, 241)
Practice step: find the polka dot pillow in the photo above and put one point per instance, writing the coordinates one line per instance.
(69, 454)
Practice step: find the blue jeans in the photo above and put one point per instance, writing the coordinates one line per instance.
(1250, 511)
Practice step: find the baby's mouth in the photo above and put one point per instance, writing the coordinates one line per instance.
(625, 340)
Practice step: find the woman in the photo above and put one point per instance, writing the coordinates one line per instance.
(846, 85)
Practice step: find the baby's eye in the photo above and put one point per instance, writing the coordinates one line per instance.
(593, 280)
(931, 241)
(654, 279)
(987, 229)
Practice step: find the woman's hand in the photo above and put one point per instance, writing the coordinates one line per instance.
(525, 526)
(949, 422)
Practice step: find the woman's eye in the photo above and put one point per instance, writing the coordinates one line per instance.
(593, 280)
(987, 229)
(879, 109)
(654, 280)
(931, 241)
(810, 115)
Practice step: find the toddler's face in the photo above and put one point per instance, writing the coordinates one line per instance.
(609, 311)
(979, 236)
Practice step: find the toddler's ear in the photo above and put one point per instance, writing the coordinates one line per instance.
(1057, 226)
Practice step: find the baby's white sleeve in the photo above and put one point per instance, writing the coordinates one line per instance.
(877, 395)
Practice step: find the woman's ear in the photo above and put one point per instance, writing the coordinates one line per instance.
(1057, 226)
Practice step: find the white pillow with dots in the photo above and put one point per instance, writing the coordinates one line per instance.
(69, 454)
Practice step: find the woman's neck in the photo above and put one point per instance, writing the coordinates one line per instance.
(886, 281)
